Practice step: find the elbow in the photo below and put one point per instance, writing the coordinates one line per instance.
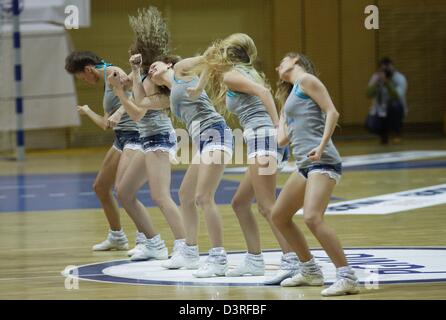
(335, 114)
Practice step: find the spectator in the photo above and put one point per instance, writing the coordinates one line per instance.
(387, 88)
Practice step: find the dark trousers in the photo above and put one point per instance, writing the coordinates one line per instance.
(393, 122)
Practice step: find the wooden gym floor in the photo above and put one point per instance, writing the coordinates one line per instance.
(35, 246)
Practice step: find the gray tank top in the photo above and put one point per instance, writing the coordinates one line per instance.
(306, 124)
(192, 112)
(249, 109)
(111, 103)
(154, 122)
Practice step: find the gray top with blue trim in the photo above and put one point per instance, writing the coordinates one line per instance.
(196, 114)
(306, 125)
(111, 103)
(249, 109)
(154, 122)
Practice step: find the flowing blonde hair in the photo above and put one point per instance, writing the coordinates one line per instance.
(152, 36)
(284, 88)
(238, 51)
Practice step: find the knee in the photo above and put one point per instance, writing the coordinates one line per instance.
(100, 189)
(160, 200)
(313, 221)
(186, 199)
(265, 211)
(279, 220)
(123, 195)
(204, 200)
(239, 204)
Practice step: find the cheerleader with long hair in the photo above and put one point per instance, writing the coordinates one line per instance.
(308, 121)
(235, 82)
(158, 139)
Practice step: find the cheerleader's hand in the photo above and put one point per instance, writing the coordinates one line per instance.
(135, 61)
(315, 154)
(114, 119)
(83, 109)
(115, 80)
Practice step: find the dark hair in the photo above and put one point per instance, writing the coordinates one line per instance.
(78, 60)
(385, 61)
(167, 58)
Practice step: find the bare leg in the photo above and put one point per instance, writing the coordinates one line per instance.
(124, 163)
(290, 200)
(242, 203)
(209, 177)
(132, 180)
(188, 206)
(317, 195)
(103, 186)
(265, 193)
(159, 172)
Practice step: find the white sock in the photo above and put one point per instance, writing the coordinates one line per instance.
(254, 257)
(346, 273)
(217, 255)
(117, 234)
(309, 267)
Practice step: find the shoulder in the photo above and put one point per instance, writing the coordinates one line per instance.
(231, 74)
(399, 77)
(310, 82)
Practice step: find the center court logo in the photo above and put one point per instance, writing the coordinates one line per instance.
(373, 266)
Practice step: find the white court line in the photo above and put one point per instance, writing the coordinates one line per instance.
(84, 194)
(26, 186)
(392, 202)
(27, 196)
(377, 158)
(230, 188)
(57, 195)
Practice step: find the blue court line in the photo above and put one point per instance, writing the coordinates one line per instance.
(48, 192)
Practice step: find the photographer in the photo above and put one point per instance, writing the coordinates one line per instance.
(387, 88)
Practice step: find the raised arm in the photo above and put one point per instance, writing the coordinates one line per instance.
(234, 80)
(137, 86)
(137, 111)
(194, 92)
(183, 67)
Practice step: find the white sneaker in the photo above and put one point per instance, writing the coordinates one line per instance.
(341, 287)
(182, 259)
(250, 266)
(300, 279)
(280, 276)
(116, 240)
(216, 264)
(289, 267)
(136, 249)
(153, 249)
(211, 269)
(140, 238)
